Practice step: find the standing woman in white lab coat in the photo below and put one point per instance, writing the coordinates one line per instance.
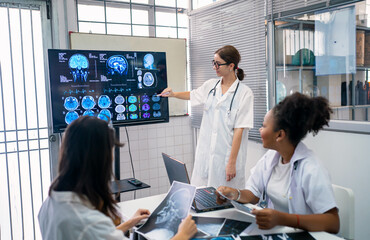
(289, 181)
(227, 116)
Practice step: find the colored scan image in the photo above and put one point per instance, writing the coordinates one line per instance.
(105, 115)
(88, 102)
(71, 103)
(104, 101)
(117, 65)
(89, 113)
(146, 107)
(119, 99)
(132, 99)
(122, 86)
(148, 61)
(70, 117)
(145, 98)
(79, 66)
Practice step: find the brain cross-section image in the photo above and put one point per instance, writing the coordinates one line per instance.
(117, 65)
(71, 116)
(89, 113)
(79, 66)
(104, 101)
(122, 87)
(148, 79)
(148, 61)
(88, 102)
(119, 99)
(105, 115)
(71, 103)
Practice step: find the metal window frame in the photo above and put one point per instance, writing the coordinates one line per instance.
(349, 126)
(46, 35)
(152, 8)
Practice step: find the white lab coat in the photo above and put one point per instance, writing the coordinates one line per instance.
(310, 190)
(217, 131)
(65, 216)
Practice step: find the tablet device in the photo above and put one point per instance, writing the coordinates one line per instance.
(242, 208)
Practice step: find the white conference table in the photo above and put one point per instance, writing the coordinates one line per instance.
(128, 208)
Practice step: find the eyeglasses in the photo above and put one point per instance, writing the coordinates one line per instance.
(217, 65)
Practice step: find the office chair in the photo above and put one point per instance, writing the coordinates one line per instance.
(346, 203)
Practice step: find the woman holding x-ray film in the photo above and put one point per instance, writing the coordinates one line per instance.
(227, 116)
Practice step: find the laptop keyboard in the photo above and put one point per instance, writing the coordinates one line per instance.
(206, 197)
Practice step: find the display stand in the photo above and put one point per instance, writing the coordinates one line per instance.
(121, 185)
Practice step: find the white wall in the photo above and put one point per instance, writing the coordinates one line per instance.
(147, 144)
(346, 156)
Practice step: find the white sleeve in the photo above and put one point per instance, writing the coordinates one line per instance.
(244, 117)
(255, 180)
(318, 190)
(199, 96)
(103, 229)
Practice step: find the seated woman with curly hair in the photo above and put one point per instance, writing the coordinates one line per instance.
(289, 181)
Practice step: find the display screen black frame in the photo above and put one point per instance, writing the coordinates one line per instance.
(120, 86)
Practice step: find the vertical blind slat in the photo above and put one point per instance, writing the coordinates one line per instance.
(241, 24)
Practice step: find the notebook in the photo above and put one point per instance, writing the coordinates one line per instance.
(205, 198)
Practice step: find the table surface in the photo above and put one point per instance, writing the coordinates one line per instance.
(128, 208)
(124, 186)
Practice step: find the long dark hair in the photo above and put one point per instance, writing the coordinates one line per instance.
(298, 114)
(85, 163)
(231, 55)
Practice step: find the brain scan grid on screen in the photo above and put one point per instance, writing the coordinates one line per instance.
(121, 86)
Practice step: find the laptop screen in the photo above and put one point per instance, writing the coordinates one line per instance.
(176, 170)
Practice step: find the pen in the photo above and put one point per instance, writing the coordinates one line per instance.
(164, 94)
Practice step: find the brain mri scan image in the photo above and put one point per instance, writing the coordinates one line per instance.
(105, 115)
(119, 99)
(71, 103)
(132, 99)
(156, 106)
(117, 65)
(146, 107)
(132, 108)
(104, 101)
(148, 61)
(88, 102)
(148, 79)
(119, 86)
(89, 113)
(79, 66)
(120, 108)
(145, 98)
(133, 116)
(157, 114)
(156, 98)
(71, 116)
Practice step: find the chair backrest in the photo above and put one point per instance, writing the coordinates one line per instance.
(346, 203)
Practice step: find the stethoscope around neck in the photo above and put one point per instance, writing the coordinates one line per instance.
(232, 100)
(263, 202)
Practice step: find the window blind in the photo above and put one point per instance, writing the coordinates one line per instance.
(240, 23)
(284, 8)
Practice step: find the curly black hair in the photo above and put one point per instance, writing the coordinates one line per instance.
(298, 114)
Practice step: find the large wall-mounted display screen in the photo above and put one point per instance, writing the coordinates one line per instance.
(115, 85)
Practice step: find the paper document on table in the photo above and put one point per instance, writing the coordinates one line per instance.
(163, 223)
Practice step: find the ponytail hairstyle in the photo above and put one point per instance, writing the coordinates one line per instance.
(231, 55)
(85, 163)
(298, 114)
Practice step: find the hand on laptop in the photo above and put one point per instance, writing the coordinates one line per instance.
(226, 193)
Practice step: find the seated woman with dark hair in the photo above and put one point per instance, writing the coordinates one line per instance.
(289, 180)
(80, 203)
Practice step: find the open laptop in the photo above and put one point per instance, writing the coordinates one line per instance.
(205, 198)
